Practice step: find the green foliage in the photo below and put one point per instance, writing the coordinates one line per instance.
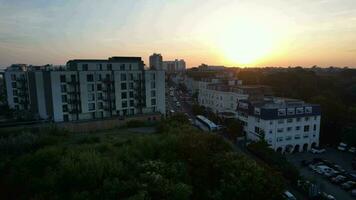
(185, 164)
(198, 110)
(234, 128)
(275, 160)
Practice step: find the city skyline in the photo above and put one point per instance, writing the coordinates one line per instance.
(231, 33)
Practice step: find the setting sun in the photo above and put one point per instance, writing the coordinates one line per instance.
(244, 42)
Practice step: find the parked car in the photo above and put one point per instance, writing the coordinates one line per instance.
(353, 193)
(327, 196)
(288, 195)
(316, 150)
(348, 185)
(342, 147)
(352, 150)
(338, 179)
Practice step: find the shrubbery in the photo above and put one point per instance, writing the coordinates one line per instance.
(188, 165)
(275, 160)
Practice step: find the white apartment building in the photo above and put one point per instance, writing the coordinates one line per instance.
(288, 125)
(156, 61)
(221, 98)
(174, 66)
(86, 89)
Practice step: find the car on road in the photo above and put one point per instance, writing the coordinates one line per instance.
(353, 193)
(316, 150)
(327, 196)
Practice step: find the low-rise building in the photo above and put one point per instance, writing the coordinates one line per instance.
(288, 125)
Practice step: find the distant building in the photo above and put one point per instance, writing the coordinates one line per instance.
(174, 66)
(287, 125)
(86, 89)
(204, 67)
(156, 61)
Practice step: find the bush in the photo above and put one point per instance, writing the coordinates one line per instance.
(275, 160)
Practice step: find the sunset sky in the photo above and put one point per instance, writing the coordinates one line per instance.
(217, 32)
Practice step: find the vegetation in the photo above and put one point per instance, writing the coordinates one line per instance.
(178, 163)
(334, 91)
(275, 160)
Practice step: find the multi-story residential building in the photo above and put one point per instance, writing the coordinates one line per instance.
(86, 89)
(288, 125)
(156, 61)
(174, 66)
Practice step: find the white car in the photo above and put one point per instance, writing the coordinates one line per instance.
(342, 147)
(317, 150)
(288, 195)
(352, 150)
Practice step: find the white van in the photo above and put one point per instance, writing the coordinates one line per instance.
(288, 195)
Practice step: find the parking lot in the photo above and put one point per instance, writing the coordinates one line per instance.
(331, 157)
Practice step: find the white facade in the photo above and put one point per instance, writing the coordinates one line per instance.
(90, 89)
(285, 126)
(174, 66)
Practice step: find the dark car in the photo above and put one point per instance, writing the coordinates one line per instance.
(348, 185)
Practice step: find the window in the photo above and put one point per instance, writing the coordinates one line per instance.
(100, 66)
(99, 87)
(153, 84)
(290, 120)
(153, 93)
(300, 111)
(290, 111)
(280, 121)
(289, 129)
(298, 119)
(308, 110)
(306, 128)
(314, 127)
(65, 108)
(305, 136)
(132, 103)
(297, 137)
(124, 104)
(91, 106)
(280, 130)
(124, 95)
(91, 97)
(131, 94)
(109, 66)
(279, 139)
(123, 86)
(130, 77)
(100, 96)
(132, 111)
(123, 77)
(63, 88)
(72, 77)
(85, 67)
(64, 98)
(63, 78)
(16, 100)
(281, 112)
(90, 77)
(306, 119)
(153, 76)
(122, 67)
(100, 105)
(257, 129)
(98, 77)
(257, 111)
(288, 138)
(297, 128)
(271, 122)
(270, 131)
(13, 77)
(14, 85)
(131, 86)
(14, 92)
(153, 102)
(65, 118)
(90, 87)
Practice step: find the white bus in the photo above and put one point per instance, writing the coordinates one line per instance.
(205, 124)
